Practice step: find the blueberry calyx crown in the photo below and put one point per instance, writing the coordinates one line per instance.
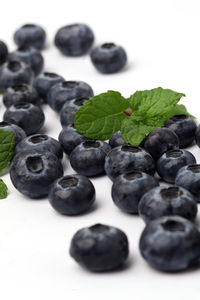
(4, 124)
(108, 45)
(80, 101)
(14, 65)
(129, 148)
(34, 164)
(70, 84)
(91, 144)
(22, 105)
(177, 118)
(68, 181)
(133, 175)
(173, 226)
(28, 26)
(50, 75)
(174, 153)
(194, 168)
(99, 228)
(20, 88)
(170, 192)
(38, 138)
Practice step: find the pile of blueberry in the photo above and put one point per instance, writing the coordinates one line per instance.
(170, 241)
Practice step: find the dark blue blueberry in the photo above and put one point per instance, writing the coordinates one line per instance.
(74, 40)
(184, 127)
(170, 244)
(68, 90)
(72, 195)
(100, 248)
(44, 82)
(26, 115)
(69, 138)
(197, 136)
(33, 172)
(30, 56)
(30, 35)
(40, 142)
(189, 178)
(116, 140)
(3, 52)
(20, 93)
(69, 109)
(160, 141)
(14, 72)
(108, 58)
(18, 132)
(171, 161)
(88, 157)
(126, 159)
(128, 189)
(162, 201)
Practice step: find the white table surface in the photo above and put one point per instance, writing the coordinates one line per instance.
(162, 39)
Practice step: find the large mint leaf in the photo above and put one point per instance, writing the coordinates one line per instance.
(101, 116)
(3, 189)
(7, 144)
(154, 102)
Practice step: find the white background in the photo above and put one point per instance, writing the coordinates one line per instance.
(162, 39)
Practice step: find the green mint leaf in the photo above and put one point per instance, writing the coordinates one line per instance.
(154, 102)
(6, 148)
(3, 190)
(134, 129)
(101, 116)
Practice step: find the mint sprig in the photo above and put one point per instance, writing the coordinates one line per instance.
(7, 144)
(135, 117)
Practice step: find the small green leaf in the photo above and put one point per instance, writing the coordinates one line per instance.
(154, 102)
(3, 190)
(179, 109)
(101, 116)
(7, 144)
(134, 129)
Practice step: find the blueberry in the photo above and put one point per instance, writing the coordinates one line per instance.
(40, 142)
(162, 201)
(14, 72)
(68, 90)
(184, 127)
(30, 35)
(88, 157)
(30, 56)
(108, 58)
(100, 248)
(43, 82)
(18, 132)
(3, 52)
(128, 189)
(20, 93)
(171, 161)
(72, 195)
(33, 172)
(69, 109)
(116, 140)
(26, 115)
(189, 178)
(69, 138)
(74, 40)
(170, 244)
(197, 136)
(127, 158)
(161, 140)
